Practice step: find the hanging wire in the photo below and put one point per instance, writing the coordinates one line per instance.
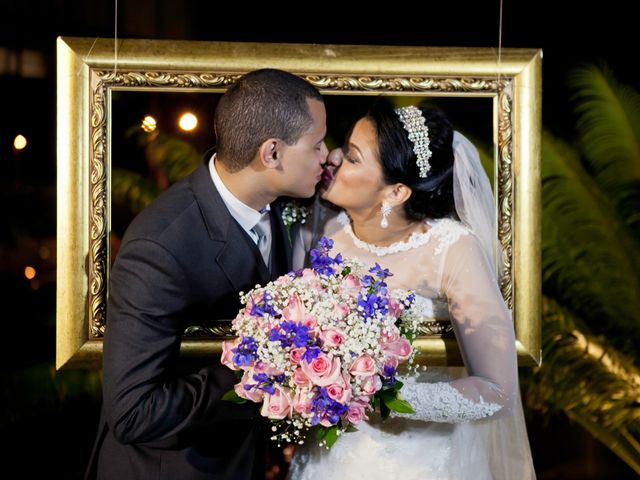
(499, 43)
(115, 41)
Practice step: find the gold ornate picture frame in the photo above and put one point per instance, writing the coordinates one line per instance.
(88, 75)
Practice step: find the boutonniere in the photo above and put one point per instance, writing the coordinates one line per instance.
(294, 212)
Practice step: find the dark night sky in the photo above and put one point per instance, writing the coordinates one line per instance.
(568, 32)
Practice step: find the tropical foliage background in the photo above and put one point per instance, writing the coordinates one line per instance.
(590, 268)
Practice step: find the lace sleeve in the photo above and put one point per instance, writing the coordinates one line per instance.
(484, 331)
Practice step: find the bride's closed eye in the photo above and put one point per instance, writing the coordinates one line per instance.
(349, 158)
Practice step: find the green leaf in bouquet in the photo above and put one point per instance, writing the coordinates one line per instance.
(409, 333)
(328, 435)
(392, 400)
(394, 387)
(351, 428)
(346, 271)
(384, 409)
(331, 436)
(232, 396)
(321, 433)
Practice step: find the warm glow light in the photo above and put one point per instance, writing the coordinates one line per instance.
(19, 142)
(29, 272)
(188, 122)
(149, 124)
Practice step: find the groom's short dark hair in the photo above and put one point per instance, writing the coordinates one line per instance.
(262, 104)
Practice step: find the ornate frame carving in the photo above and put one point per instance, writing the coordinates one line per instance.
(87, 77)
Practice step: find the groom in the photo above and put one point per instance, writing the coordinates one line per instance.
(182, 262)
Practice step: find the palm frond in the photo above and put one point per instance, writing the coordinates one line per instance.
(609, 129)
(589, 261)
(132, 190)
(39, 388)
(174, 156)
(588, 380)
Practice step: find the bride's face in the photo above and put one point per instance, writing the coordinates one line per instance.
(358, 183)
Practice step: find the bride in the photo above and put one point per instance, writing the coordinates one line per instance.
(416, 200)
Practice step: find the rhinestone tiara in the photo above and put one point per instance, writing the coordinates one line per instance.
(418, 132)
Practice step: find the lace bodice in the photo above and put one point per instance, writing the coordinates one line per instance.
(447, 265)
(468, 424)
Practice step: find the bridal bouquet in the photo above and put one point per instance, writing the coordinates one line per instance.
(320, 347)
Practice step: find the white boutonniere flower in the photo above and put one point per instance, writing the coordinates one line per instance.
(293, 212)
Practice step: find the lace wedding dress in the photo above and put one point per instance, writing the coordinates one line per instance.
(468, 422)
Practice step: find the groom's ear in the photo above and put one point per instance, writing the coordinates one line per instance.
(398, 194)
(270, 153)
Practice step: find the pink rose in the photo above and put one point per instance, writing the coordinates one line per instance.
(371, 384)
(261, 367)
(357, 411)
(254, 394)
(302, 403)
(322, 371)
(332, 337)
(295, 355)
(341, 310)
(394, 307)
(278, 405)
(400, 349)
(295, 311)
(312, 280)
(351, 283)
(300, 379)
(364, 366)
(341, 394)
(227, 354)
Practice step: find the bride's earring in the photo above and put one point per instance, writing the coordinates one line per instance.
(385, 209)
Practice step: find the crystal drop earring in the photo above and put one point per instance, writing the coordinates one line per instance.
(385, 210)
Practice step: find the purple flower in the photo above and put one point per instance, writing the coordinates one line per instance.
(311, 353)
(246, 352)
(321, 262)
(389, 377)
(290, 333)
(380, 272)
(263, 306)
(263, 382)
(371, 303)
(326, 408)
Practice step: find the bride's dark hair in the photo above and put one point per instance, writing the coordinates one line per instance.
(431, 197)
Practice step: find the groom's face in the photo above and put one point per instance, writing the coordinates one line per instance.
(302, 162)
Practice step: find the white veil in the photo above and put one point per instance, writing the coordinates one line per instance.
(474, 199)
(503, 439)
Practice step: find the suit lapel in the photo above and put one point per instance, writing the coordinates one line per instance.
(238, 257)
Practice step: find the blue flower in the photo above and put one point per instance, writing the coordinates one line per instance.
(246, 352)
(263, 306)
(290, 333)
(311, 353)
(326, 408)
(380, 272)
(389, 375)
(264, 383)
(321, 262)
(410, 299)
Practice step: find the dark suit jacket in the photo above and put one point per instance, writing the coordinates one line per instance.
(182, 262)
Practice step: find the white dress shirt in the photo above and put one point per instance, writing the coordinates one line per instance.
(246, 216)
